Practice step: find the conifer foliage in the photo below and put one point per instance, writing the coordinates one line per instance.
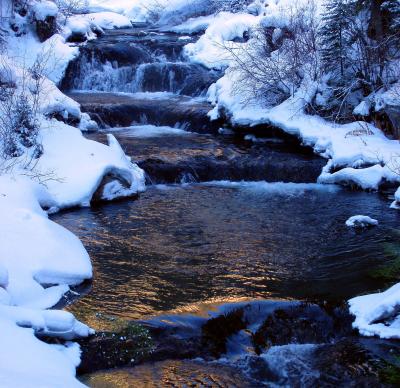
(334, 33)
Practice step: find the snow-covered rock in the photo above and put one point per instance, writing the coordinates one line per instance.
(35, 252)
(213, 48)
(25, 361)
(85, 27)
(43, 9)
(361, 222)
(396, 203)
(378, 314)
(362, 109)
(79, 165)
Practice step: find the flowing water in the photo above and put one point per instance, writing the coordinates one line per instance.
(224, 220)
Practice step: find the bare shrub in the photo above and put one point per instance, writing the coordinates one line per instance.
(19, 110)
(69, 8)
(275, 61)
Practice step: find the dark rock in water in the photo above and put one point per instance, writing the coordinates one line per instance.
(70, 120)
(303, 324)
(122, 53)
(77, 37)
(393, 113)
(346, 362)
(337, 358)
(216, 331)
(46, 28)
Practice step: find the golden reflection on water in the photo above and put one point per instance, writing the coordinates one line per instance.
(101, 321)
(180, 249)
(171, 373)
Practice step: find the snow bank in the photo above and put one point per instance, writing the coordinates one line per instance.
(194, 25)
(54, 54)
(85, 25)
(34, 252)
(44, 9)
(168, 12)
(211, 49)
(25, 361)
(39, 259)
(358, 153)
(378, 314)
(79, 165)
(361, 222)
(33, 249)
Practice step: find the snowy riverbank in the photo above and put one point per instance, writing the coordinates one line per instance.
(40, 260)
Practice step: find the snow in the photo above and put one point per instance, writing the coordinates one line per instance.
(26, 361)
(362, 109)
(40, 260)
(194, 25)
(35, 252)
(377, 314)
(168, 12)
(361, 222)
(79, 173)
(210, 50)
(360, 152)
(86, 24)
(44, 9)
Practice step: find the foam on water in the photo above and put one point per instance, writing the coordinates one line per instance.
(146, 131)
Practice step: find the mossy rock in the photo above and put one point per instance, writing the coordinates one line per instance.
(127, 345)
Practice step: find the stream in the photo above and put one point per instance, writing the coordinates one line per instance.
(234, 261)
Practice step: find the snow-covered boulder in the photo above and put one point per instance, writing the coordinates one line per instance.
(79, 166)
(378, 314)
(44, 9)
(361, 222)
(25, 361)
(45, 17)
(34, 250)
(396, 202)
(212, 49)
(80, 28)
(362, 109)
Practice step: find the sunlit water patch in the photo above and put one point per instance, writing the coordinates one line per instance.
(183, 245)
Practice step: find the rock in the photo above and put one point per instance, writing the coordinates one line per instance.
(302, 324)
(77, 37)
(393, 112)
(111, 178)
(105, 350)
(46, 28)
